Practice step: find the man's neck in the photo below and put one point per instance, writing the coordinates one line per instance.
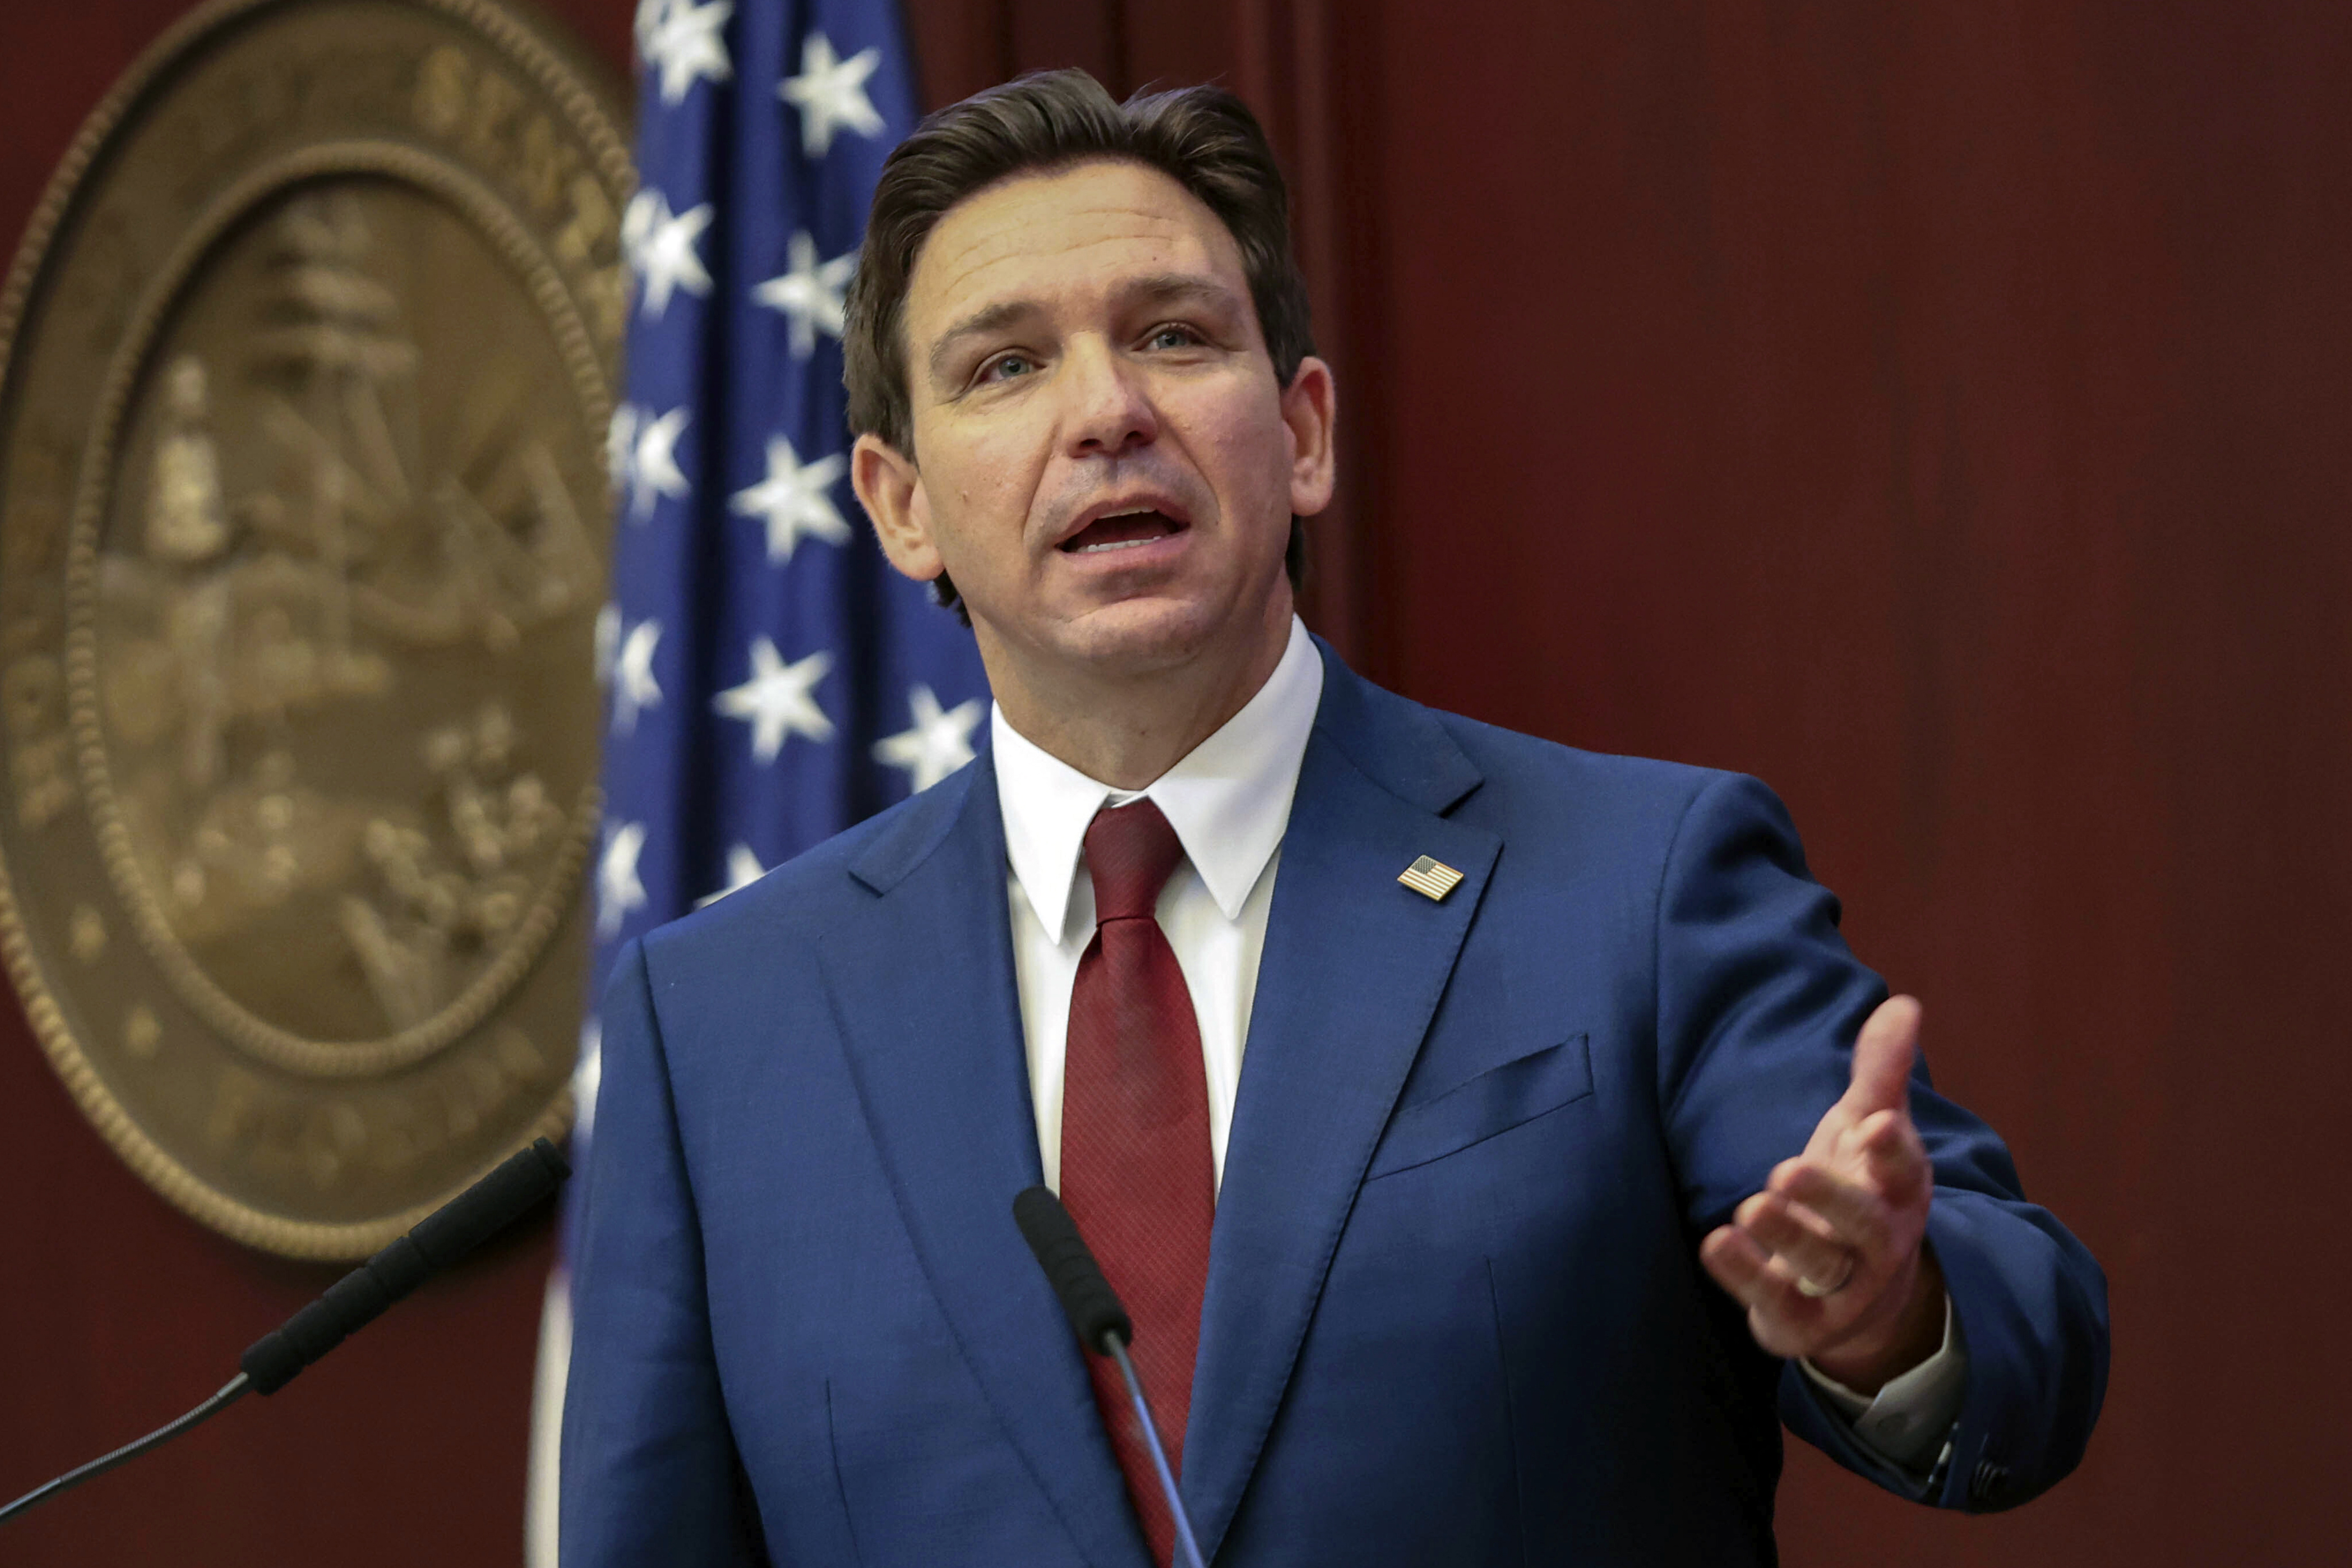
(1125, 729)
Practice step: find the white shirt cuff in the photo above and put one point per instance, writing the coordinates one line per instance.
(1909, 1421)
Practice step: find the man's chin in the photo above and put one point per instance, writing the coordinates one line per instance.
(1135, 636)
(1141, 636)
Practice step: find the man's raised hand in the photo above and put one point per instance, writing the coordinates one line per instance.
(1831, 1259)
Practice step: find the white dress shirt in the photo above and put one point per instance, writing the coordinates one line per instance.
(1229, 802)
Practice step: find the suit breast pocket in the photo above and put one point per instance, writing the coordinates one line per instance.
(1493, 1102)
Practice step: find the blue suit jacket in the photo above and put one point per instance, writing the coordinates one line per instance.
(1454, 1310)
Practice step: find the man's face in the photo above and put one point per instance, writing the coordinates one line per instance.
(1103, 461)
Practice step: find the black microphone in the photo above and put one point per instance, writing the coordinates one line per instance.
(350, 1304)
(1102, 1324)
(440, 1238)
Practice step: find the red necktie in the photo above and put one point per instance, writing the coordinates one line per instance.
(1135, 1142)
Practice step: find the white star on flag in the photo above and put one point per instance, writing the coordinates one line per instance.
(793, 499)
(743, 869)
(938, 743)
(633, 676)
(654, 470)
(620, 445)
(778, 700)
(831, 92)
(809, 292)
(683, 42)
(618, 891)
(661, 246)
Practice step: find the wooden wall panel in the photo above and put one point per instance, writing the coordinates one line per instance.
(961, 46)
(1939, 410)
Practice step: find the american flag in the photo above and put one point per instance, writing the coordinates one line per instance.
(769, 679)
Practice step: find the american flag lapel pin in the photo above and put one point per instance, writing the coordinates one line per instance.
(1431, 878)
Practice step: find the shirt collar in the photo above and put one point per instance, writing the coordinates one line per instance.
(1228, 799)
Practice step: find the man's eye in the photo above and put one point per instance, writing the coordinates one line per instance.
(1007, 367)
(1174, 338)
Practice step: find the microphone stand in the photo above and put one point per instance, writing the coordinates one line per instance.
(1191, 1555)
(1103, 1327)
(234, 1390)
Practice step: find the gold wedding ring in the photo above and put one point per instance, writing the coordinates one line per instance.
(1812, 1291)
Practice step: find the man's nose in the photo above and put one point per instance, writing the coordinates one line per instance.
(1109, 411)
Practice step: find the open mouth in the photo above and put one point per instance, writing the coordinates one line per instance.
(1122, 530)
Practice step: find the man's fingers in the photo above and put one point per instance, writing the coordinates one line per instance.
(1847, 1215)
(1798, 1240)
(1854, 1215)
(1781, 1319)
(1741, 1264)
(1883, 1055)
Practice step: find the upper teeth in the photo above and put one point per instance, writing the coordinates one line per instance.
(1116, 545)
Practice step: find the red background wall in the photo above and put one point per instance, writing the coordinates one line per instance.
(1939, 410)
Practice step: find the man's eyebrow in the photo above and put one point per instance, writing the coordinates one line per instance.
(1176, 289)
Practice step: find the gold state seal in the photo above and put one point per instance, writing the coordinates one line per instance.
(307, 356)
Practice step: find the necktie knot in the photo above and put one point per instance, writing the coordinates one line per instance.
(1130, 852)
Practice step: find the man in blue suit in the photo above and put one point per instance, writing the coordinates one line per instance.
(1412, 1076)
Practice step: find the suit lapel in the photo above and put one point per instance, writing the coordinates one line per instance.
(921, 981)
(1353, 968)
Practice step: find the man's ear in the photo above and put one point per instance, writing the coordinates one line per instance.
(890, 488)
(1310, 409)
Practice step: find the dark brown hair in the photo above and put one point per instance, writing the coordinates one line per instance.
(1204, 138)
